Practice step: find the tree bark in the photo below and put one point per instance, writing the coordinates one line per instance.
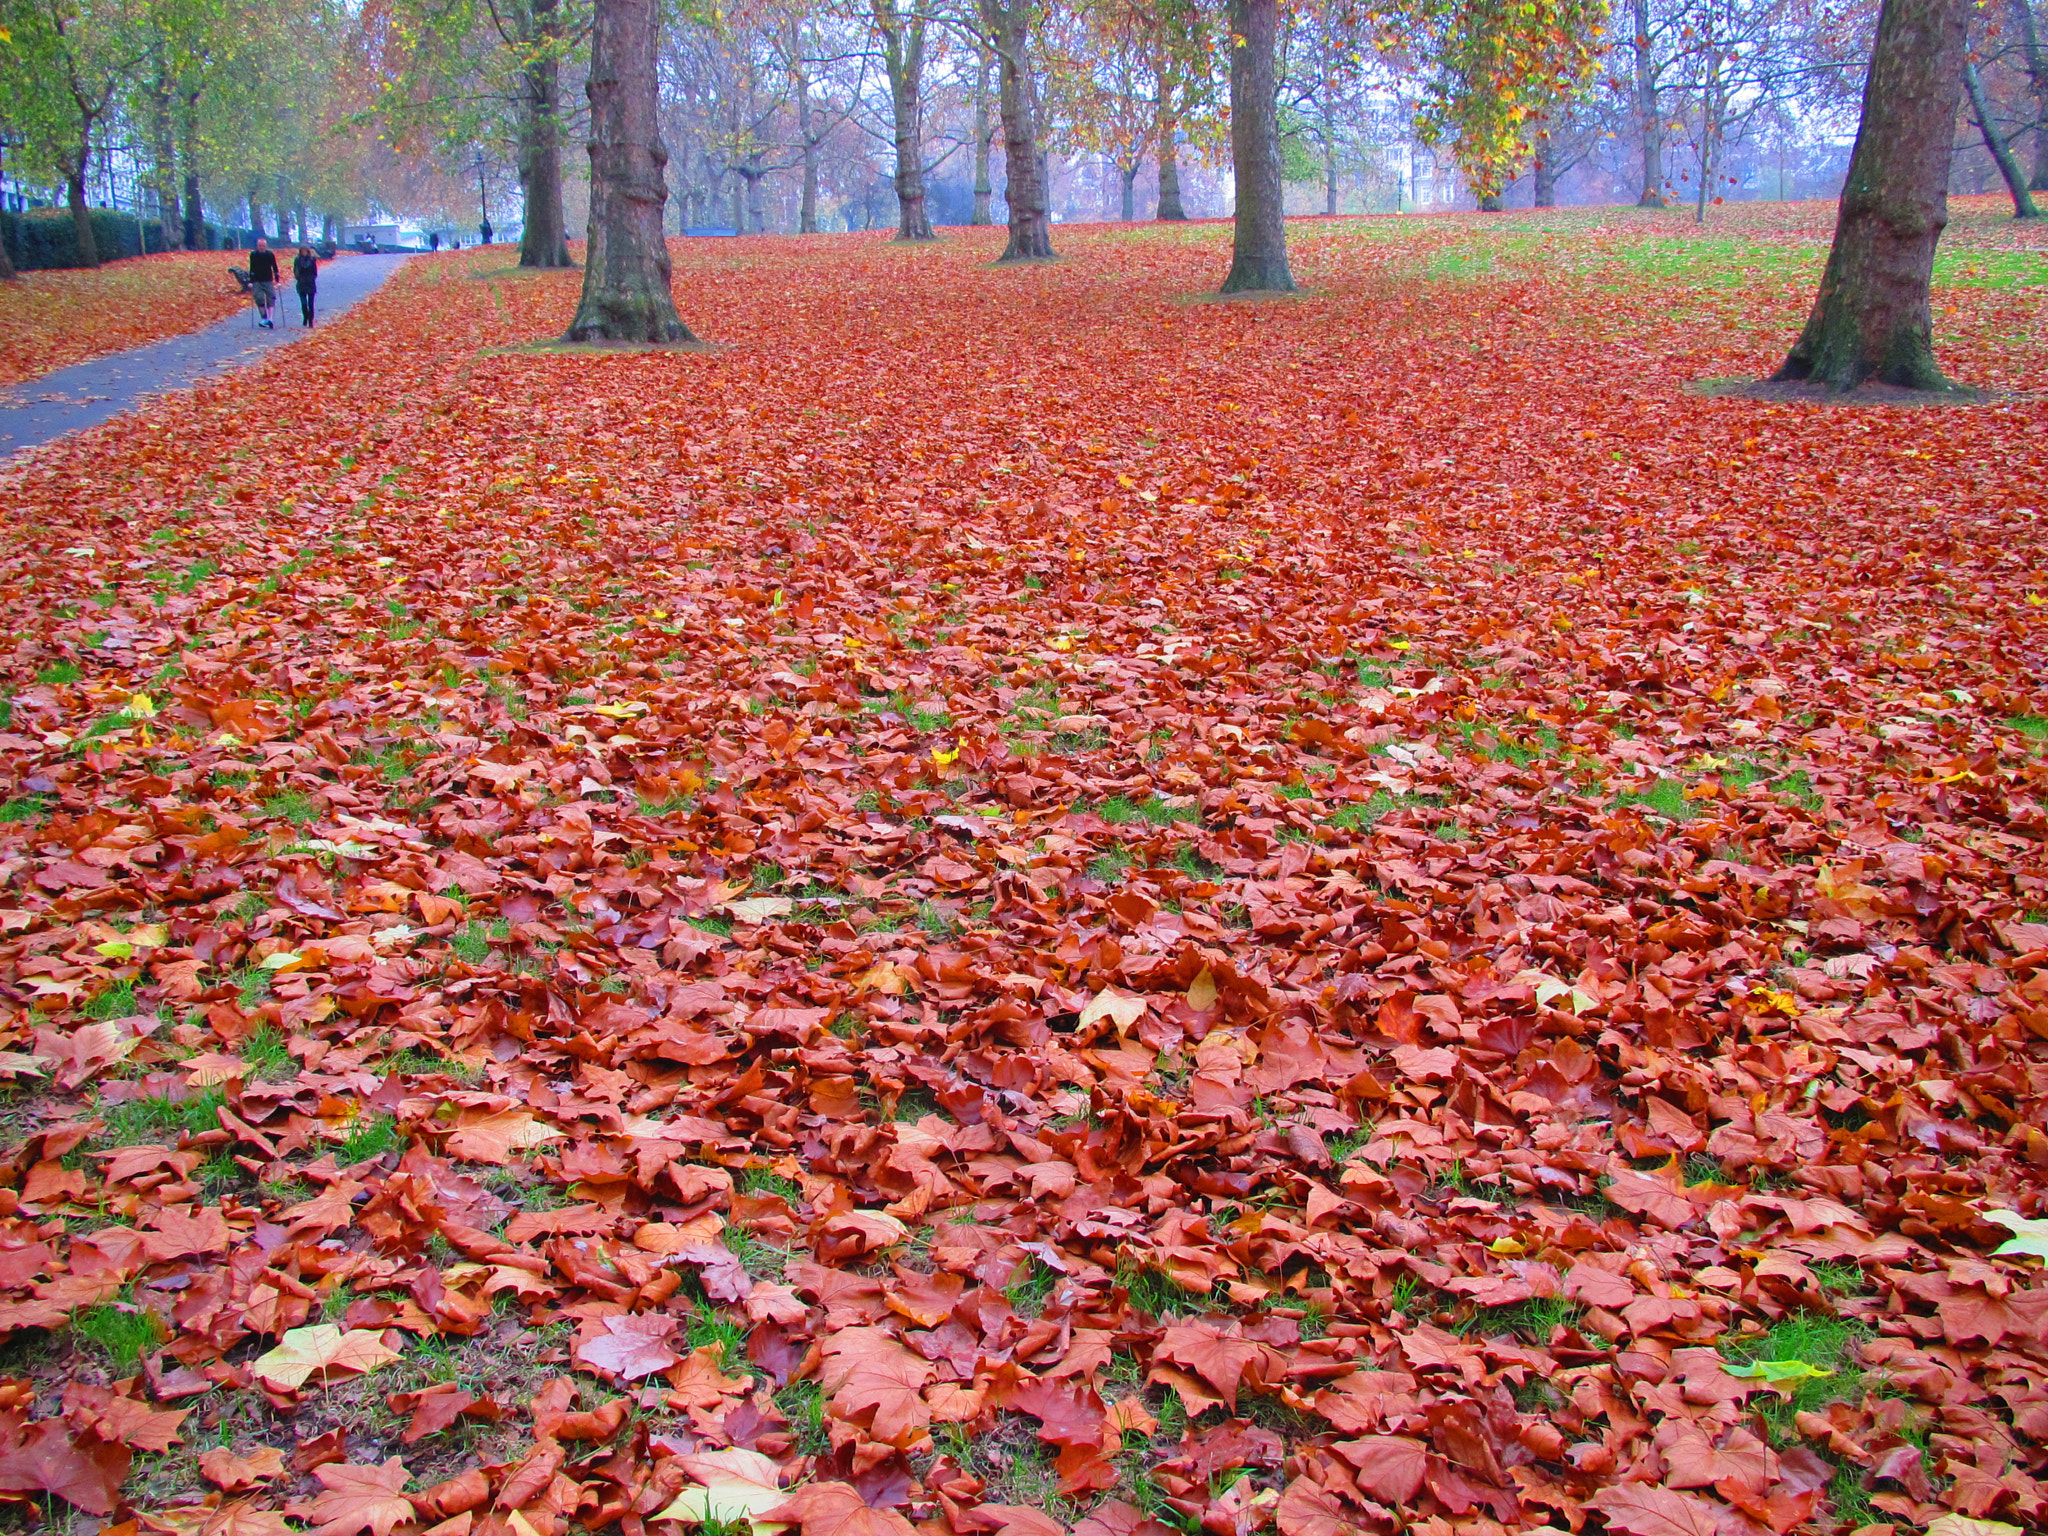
(807, 208)
(1329, 169)
(1025, 184)
(2037, 77)
(544, 235)
(1544, 178)
(1258, 252)
(2001, 152)
(1649, 111)
(984, 189)
(81, 212)
(1129, 176)
(903, 58)
(1872, 318)
(1491, 203)
(195, 210)
(1170, 207)
(626, 294)
(7, 272)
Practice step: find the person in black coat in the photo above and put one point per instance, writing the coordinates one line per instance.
(306, 276)
(263, 280)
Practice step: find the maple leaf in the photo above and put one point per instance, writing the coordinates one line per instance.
(358, 1499)
(726, 1486)
(224, 1469)
(46, 1457)
(323, 1351)
(2029, 1235)
(1211, 1351)
(835, 1509)
(868, 1372)
(630, 1347)
(1391, 1468)
(1641, 1509)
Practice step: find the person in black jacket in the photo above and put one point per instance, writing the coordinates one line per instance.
(263, 280)
(306, 275)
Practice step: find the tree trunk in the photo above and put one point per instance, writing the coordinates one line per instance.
(1258, 252)
(1025, 184)
(903, 57)
(1544, 178)
(81, 213)
(626, 294)
(7, 272)
(544, 235)
(1872, 318)
(1169, 173)
(2001, 152)
(984, 190)
(1491, 203)
(195, 210)
(161, 99)
(1649, 111)
(1129, 174)
(807, 209)
(2037, 76)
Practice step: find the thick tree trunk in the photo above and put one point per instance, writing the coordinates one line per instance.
(903, 57)
(2001, 152)
(1872, 318)
(1258, 252)
(984, 190)
(2037, 76)
(161, 99)
(1649, 110)
(626, 295)
(544, 235)
(1491, 203)
(1025, 184)
(1129, 176)
(1329, 170)
(81, 212)
(1544, 179)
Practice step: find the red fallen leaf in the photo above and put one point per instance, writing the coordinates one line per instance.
(1650, 1197)
(1211, 1351)
(1642, 1509)
(358, 1499)
(179, 1232)
(630, 1347)
(459, 1494)
(835, 1509)
(432, 1410)
(1113, 1517)
(320, 1450)
(224, 1469)
(1066, 1417)
(872, 1378)
(1389, 1467)
(1306, 1508)
(47, 1457)
(121, 1420)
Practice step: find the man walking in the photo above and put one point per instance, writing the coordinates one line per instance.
(263, 281)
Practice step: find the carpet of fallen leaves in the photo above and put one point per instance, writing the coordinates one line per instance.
(1017, 902)
(50, 320)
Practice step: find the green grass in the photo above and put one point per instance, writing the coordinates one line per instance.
(1109, 866)
(2034, 726)
(1665, 798)
(121, 1333)
(139, 1122)
(1827, 1343)
(1032, 1288)
(294, 806)
(1151, 1292)
(117, 1002)
(60, 672)
(709, 1327)
(371, 1138)
(267, 1055)
(1189, 862)
(804, 1406)
(1120, 811)
(1361, 814)
(1533, 1319)
(936, 920)
(23, 808)
(760, 1181)
(472, 942)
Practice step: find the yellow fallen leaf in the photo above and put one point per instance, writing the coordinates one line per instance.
(1202, 991)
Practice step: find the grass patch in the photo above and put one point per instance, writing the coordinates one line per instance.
(371, 1138)
(1825, 1343)
(139, 1122)
(1032, 1288)
(1533, 1319)
(1665, 798)
(23, 808)
(123, 1334)
(267, 1055)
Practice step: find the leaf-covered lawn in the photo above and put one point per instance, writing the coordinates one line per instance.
(50, 320)
(1021, 902)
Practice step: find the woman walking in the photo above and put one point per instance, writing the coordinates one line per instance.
(306, 274)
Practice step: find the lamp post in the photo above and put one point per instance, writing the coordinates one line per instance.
(483, 202)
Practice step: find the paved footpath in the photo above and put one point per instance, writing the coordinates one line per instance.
(90, 393)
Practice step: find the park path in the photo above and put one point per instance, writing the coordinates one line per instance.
(89, 393)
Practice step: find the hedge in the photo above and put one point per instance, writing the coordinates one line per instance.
(43, 238)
